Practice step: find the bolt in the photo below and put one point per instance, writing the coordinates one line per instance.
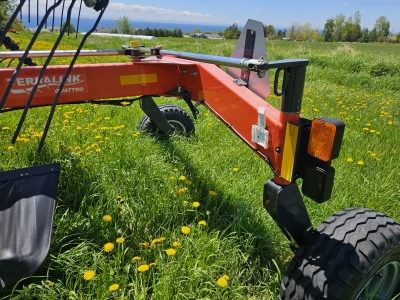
(277, 149)
(193, 74)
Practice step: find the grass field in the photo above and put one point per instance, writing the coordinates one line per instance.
(125, 199)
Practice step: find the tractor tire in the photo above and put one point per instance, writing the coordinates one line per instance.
(354, 254)
(175, 115)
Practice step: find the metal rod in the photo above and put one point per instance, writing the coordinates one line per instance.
(242, 63)
(61, 53)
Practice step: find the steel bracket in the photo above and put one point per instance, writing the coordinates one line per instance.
(259, 134)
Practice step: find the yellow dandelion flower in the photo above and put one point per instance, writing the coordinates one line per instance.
(144, 244)
(119, 134)
(212, 193)
(152, 265)
(390, 123)
(366, 128)
(185, 202)
(162, 238)
(5, 128)
(360, 162)
(222, 282)
(196, 204)
(185, 230)
(156, 241)
(182, 177)
(373, 154)
(97, 137)
(170, 252)
(78, 128)
(108, 247)
(172, 177)
(98, 150)
(235, 169)
(106, 138)
(225, 276)
(349, 159)
(368, 125)
(136, 258)
(188, 182)
(107, 218)
(372, 130)
(89, 275)
(202, 223)
(143, 268)
(176, 244)
(113, 287)
(107, 118)
(120, 240)
(10, 148)
(175, 170)
(120, 198)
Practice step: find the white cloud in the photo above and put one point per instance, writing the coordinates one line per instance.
(151, 9)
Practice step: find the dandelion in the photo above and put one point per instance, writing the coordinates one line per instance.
(171, 252)
(172, 177)
(120, 240)
(10, 148)
(196, 204)
(235, 169)
(107, 118)
(107, 218)
(136, 258)
(143, 268)
(225, 276)
(162, 238)
(152, 265)
(176, 244)
(5, 128)
(98, 150)
(108, 247)
(119, 134)
(390, 123)
(202, 223)
(349, 159)
(113, 287)
(360, 162)
(97, 137)
(188, 182)
(144, 244)
(366, 128)
(182, 177)
(185, 230)
(78, 128)
(185, 202)
(89, 275)
(212, 193)
(222, 282)
(120, 198)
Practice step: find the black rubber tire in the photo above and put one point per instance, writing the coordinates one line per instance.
(342, 255)
(175, 115)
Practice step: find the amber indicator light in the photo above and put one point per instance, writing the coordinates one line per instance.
(322, 139)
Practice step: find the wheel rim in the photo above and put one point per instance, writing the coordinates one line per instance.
(382, 284)
(179, 128)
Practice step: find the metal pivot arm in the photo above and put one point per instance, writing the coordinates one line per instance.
(151, 109)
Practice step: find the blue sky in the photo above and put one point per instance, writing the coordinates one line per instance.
(278, 13)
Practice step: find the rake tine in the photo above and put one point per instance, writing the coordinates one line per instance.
(53, 107)
(47, 2)
(34, 88)
(62, 14)
(29, 11)
(79, 17)
(37, 12)
(23, 58)
(52, 24)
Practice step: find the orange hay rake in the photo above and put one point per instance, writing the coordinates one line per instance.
(365, 265)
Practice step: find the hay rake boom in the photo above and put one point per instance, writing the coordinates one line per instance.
(292, 146)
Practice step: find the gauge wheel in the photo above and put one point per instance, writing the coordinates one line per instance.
(354, 254)
(176, 116)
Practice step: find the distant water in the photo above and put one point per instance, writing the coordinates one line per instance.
(86, 24)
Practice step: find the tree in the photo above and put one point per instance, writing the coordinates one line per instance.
(398, 38)
(365, 35)
(269, 30)
(339, 23)
(70, 29)
(373, 36)
(232, 32)
(177, 32)
(7, 8)
(123, 24)
(382, 26)
(294, 32)
(329, 28)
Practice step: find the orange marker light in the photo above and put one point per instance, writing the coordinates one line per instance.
(325, 138)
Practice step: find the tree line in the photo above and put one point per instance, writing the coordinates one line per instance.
(124, 26)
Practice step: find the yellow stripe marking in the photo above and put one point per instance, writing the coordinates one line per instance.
(289, 151)
(138, 79)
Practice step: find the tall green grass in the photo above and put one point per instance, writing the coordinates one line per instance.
(148, 186)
